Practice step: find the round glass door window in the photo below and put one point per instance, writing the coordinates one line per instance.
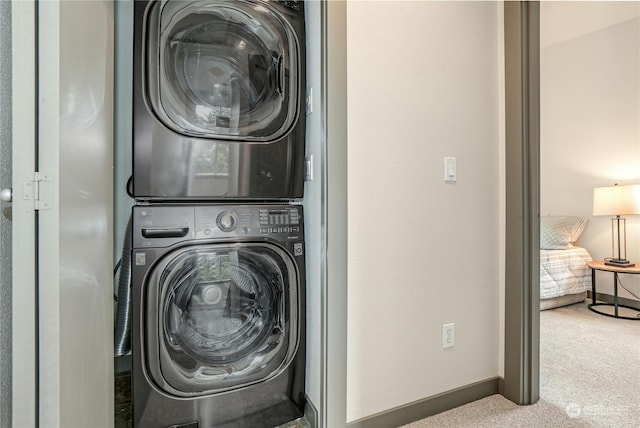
(222, 69)
(220, 318)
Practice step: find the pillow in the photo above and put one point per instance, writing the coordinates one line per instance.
(559, 232)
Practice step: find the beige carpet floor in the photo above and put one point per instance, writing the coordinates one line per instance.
(589, 377)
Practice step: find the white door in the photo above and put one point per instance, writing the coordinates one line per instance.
(56, 290)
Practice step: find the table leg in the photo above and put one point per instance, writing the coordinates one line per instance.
(615, 292)
(593, 286)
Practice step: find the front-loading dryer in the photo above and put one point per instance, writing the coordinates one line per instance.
(218, 100)
(218, 298)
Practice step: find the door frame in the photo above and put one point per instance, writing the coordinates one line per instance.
(522, 234)
(24, 412)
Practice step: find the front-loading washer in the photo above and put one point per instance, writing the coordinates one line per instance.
(218, 298)
(218, 100)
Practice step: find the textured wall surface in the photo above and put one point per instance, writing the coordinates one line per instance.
(5, 216)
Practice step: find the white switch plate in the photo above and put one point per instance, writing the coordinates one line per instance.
(450, 170)
(309, 101)
(308, 169)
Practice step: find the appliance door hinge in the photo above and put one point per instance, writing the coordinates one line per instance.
(39, 190)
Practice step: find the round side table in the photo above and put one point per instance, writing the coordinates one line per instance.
(599, 265)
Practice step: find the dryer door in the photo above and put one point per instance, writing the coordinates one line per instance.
(220, 69)
(220, 317)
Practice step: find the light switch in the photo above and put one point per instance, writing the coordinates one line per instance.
(450, 174)
(308, 168)
(309, 101)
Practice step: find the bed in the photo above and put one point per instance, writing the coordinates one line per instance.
(564, 274)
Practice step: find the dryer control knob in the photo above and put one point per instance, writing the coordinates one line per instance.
(227, 221)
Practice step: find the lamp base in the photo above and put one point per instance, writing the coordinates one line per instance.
(618, 263)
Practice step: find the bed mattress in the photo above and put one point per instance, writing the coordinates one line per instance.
(564, 272)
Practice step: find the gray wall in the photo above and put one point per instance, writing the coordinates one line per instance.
(313, 204)
(5, 216)
(122, 153)
(123, 11)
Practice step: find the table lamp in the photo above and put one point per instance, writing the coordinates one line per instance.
(617, 201)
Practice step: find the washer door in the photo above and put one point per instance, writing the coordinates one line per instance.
(219, 317)
(220, 69)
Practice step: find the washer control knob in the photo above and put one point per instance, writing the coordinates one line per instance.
(227, 221)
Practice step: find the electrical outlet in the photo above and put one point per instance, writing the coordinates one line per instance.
(448, 335)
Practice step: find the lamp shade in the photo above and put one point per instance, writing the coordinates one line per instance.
(616, 200)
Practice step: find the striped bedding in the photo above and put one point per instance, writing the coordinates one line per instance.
(564, 272)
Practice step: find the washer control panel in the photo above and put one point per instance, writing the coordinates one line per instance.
(282, 222)
(161, 226)
(279, 220)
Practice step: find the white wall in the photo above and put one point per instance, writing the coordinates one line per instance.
(423, 83)
(335, 209)
(590, 116)
(564, 20)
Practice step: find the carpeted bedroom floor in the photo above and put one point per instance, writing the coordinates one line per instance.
(589, 377)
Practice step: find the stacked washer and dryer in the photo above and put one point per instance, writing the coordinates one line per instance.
(218, 269)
